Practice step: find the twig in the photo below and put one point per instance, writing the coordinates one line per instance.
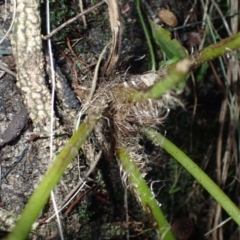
(77, 200)
(95, 77)
(72, 20)
(190, 12)
(92, 167)
(193, 24)
(73, 53)
(116, 29)
(83, 17)
(8, 71)
(222, 17)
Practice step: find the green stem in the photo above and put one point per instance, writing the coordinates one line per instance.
(175, 76)
(178, 72)
(53, 175)
(223, 47)
(196, 172)
(145, 196)
(149, 43)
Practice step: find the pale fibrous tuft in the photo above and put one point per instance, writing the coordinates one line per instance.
(124, 119)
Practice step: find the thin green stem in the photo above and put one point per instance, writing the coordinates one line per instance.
(149, 43)
(53, 175)
(145, 196)
(177, 72)
(196, 172)
(225, 46)
(175, 76)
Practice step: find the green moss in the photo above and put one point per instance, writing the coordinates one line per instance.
(60, 12)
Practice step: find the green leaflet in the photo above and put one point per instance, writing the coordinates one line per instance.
(171, 47)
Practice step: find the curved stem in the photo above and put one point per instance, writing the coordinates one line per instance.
(149, 43)
(196, 172)
(144, 195)
(53, 175)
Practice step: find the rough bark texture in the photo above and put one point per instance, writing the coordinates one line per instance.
(24, 164)
(27, 49)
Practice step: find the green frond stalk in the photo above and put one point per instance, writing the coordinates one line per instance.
(53, 175)
(146, 33)
(223, 47)
(175, 76)
(145, 196)
(223, 200)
